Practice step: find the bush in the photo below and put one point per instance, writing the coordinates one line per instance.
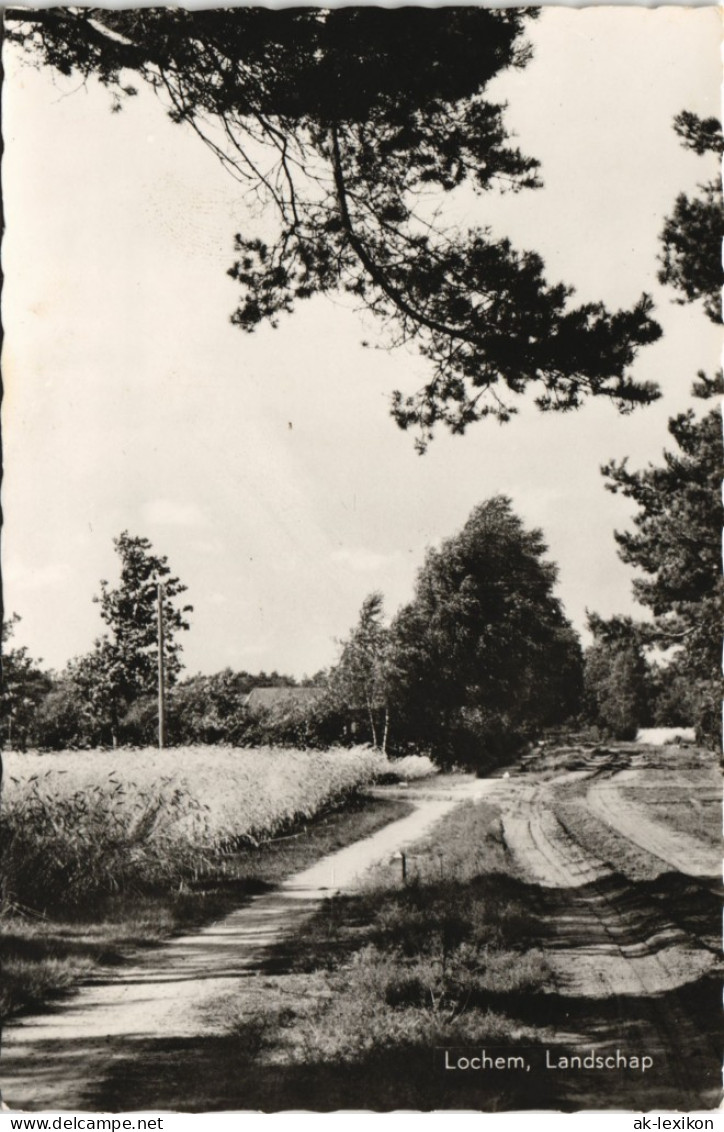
(70, 849)
(314, 725)
(62, 720)
(139, 726)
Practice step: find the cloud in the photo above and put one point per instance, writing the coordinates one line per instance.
(52, 576)
(168, 513)
(361, 560)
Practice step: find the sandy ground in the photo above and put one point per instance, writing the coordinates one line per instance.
(661, 736)
(611, 801)
(610, 937)
(634, 953)
(50, 1061)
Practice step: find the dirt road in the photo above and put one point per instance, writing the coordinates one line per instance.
(611, 801)
(58, 1060)
(626, 898)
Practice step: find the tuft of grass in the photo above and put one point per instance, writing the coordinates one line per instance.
(34, 982)
(383, 1002)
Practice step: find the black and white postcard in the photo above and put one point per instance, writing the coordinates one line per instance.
(361, 559)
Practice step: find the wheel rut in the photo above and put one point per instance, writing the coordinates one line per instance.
(604, 942)
(689, 855)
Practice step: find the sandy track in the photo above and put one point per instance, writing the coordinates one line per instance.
(639, 949)
(604, 944)
(689, 855)
(55, 1060)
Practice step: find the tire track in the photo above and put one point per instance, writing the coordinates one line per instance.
(689, 904)
(622, 950)
(687, 854)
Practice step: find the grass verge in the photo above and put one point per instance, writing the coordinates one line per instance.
(380, 982)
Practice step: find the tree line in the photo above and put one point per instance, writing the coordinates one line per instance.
(480, 661)
(482, 654)
(108, 696)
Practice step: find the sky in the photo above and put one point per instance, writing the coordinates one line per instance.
(266, 466)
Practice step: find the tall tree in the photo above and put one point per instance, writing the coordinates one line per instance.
(351, 125)
(617, 684)
(676, 544)
(692, 236)
(676, 541)
(359, 679)
(126, 661)
(484, 648)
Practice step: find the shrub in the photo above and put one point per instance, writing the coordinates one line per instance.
(315, 725)
(61, 720)
(139, 726)
(70, 849)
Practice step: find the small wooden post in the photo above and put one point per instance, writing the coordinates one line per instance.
(402, 858)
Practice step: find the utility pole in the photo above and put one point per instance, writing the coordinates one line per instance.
(161, 687)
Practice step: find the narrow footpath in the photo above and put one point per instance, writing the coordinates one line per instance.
(57, 1060)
